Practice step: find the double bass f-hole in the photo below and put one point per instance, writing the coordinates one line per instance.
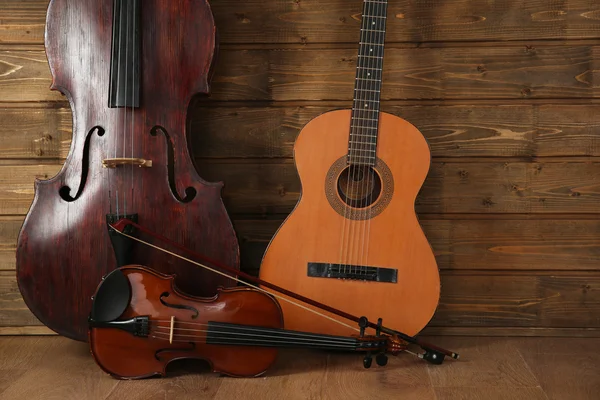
(178, 306)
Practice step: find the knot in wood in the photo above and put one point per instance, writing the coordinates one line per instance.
(526, 92)
(488, 202)
(481, 68)
(575, 194)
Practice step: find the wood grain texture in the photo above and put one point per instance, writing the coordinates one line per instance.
(35, 133)
(273, 187)
(490, 368)
(459, 244)
(310, 21)
(547, 71)
(469, 299)
(483, 244)
(502, 130)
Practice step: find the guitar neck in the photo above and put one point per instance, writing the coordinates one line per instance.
(362, 146)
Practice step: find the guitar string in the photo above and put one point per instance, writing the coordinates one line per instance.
(382, 17)
(348, 211)
(354, 152)
(366, 131)
(235, 278)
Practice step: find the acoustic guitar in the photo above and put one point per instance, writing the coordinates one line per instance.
(353, 241)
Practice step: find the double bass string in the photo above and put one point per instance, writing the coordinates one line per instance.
(124, 133)
(117, 110)
(133, 89)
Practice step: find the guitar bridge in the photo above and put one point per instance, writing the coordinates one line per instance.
(353, 272)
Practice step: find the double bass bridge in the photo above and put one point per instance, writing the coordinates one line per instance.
(353, 272)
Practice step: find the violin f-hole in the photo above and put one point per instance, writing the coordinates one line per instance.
(65, 191)
(178, 306)
(190, 192)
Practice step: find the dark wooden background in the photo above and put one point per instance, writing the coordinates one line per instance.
(507, 93)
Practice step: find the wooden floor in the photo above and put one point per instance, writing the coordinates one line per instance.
(491, 368)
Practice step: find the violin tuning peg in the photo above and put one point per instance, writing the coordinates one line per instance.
(367, 361)
(381, 359)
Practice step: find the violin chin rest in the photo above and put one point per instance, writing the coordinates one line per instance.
(112, 297)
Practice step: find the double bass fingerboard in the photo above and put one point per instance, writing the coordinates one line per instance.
(362, 145)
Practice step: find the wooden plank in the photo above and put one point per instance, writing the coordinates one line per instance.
(509, 331)
(26, 331)
(501, 130)
(22, 21)
(514, 72)
(39, 133)
(519, 300)
(16, 185)
(477, 300)
(465, 244)
(528, 130)
(310, 21)
(25, 76)
(9, 232)
(451, 187)
(511, 72)
(511, 245)
(263, 188)
(13, 311)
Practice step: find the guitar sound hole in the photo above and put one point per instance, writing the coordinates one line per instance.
(359, 186)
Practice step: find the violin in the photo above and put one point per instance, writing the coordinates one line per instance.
(130, 70)
(140, 322)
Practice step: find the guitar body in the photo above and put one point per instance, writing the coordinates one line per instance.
(386, 234)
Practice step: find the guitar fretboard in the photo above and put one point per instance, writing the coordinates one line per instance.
(362, 146)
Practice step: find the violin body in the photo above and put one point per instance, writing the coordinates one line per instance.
(129, 70)
(124, 355)
(140, 322)
(319, 230)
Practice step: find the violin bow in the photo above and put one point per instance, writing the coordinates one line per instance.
(432, 354)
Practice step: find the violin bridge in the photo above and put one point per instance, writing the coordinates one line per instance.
(115, 162)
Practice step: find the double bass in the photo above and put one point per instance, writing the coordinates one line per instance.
(353, 241)
(130, 70)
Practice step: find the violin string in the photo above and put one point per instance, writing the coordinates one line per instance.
(235, 278)
(133, 91)
(249, 328)
(233, 341)
(193, 333)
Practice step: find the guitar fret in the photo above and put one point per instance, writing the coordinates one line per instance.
(362, 143)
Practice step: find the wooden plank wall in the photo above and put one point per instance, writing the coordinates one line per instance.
(507, 92)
